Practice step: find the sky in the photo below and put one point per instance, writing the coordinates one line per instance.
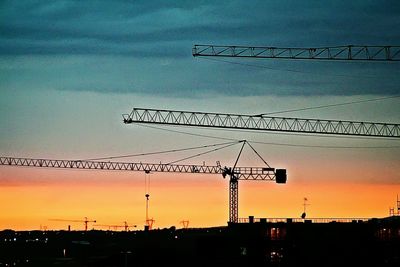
(70, 69)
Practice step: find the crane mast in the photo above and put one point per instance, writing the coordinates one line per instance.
(339, 53)
(262, 123)
(235, 173)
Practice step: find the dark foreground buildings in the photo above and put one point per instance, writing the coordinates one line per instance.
(253, 242)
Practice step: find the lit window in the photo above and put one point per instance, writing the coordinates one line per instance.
(243, 251)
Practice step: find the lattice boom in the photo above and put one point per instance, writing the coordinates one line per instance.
(265, 123)
(349, 52)
(243, 173)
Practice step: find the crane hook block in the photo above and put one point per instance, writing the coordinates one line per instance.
(280, 176)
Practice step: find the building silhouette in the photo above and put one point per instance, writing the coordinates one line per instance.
(252, 241)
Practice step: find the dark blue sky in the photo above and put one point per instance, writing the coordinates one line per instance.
(69, 69)
(145, 46)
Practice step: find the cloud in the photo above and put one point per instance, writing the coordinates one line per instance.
(150, 32)
(76, 27)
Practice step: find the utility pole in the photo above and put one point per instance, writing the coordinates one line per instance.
(149, 222)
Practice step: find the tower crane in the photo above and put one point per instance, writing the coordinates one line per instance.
(258, 123)
(235, 173)
(279, 124)
(347, 52)
(85, 221)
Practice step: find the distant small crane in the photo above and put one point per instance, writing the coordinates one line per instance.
(85, 221)
(185, 224)
(115, 227)
(392, 211)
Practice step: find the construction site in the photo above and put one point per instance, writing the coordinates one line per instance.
(80, 189)
(244, 241)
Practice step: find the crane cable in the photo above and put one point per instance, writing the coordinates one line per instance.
(162, 152)
(206, 152)
(288, 70)
(276, 144)
(258, 154)
(329, 105)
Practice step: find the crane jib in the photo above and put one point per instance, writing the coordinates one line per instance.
(262, 123)
(387, 53)
(242, 173)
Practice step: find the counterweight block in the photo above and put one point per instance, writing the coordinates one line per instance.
(280, 176)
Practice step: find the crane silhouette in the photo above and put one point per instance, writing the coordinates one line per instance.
(85, 221)
(125, 226)
(236, 173)
(258, 123)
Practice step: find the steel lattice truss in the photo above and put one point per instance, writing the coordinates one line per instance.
(264, 123)
(349, 52)
(233, 200)
(242, 173)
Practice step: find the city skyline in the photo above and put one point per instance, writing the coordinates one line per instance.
(69, 70)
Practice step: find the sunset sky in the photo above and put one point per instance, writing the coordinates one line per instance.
(70, 69)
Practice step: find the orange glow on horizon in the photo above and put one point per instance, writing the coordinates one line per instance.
(112, 198)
